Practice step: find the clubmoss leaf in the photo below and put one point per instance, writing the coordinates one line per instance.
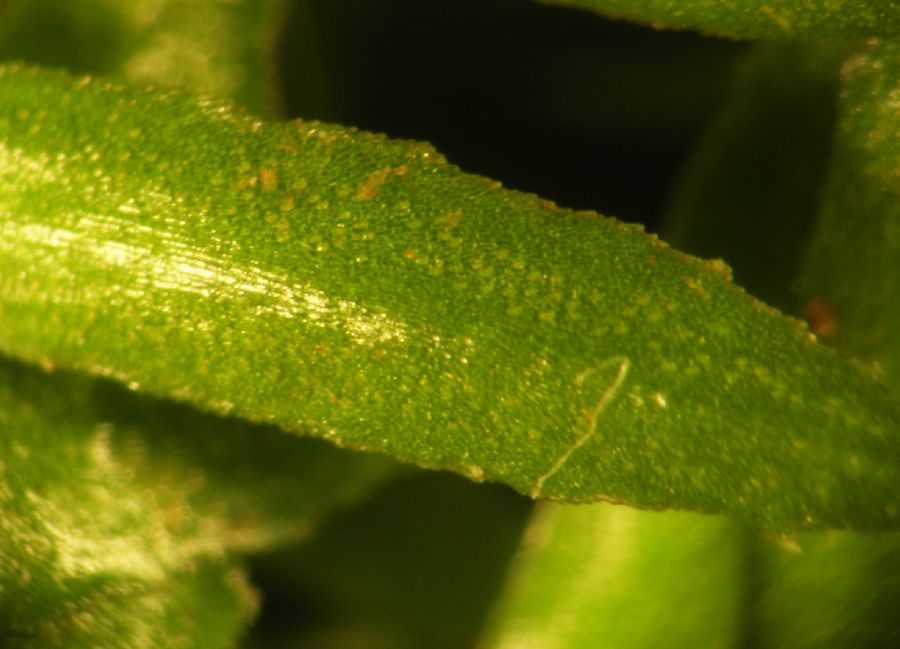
(756, 18)
(363, 290)
(749, 190)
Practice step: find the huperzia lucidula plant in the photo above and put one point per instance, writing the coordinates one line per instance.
(221, 329)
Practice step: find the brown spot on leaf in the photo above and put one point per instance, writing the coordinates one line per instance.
(821, 318)
(268, 179)
(369, 189)
(696, 287)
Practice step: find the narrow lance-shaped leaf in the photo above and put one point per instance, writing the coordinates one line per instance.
(344, 285)
(757, 18)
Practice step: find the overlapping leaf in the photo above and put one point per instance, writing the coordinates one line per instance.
(586, 574)
(751, 190)
(850, 277)
(365, 291)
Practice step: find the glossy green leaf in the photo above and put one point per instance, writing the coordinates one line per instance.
(211, 46)
(613, 576)
(751, 190)
(347, 286)
(757, 18)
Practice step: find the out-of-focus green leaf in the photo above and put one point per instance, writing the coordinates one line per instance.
(118, 512)
(613, 576)
(850, 274)
(419, 565)
(221, 47)
(344, 285)
(757, 18)
(829, 590)
(752, 188)
(89, 557)
(840, 590)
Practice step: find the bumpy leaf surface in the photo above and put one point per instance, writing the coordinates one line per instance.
(363, 290)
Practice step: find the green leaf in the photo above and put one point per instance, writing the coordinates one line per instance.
(89, 556)
(751, 190)
(853, 291)
(829, 590)
(347, 286)
(756, 18)
(222, 48)
(613, 576)
(119, 511)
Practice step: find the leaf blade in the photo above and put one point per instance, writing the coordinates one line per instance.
(362, 290)
(607, 575)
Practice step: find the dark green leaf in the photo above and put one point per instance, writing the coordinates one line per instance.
(850, 273)
(829, 590)
(434, 557)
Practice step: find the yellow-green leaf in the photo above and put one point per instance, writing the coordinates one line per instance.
(613, 576)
